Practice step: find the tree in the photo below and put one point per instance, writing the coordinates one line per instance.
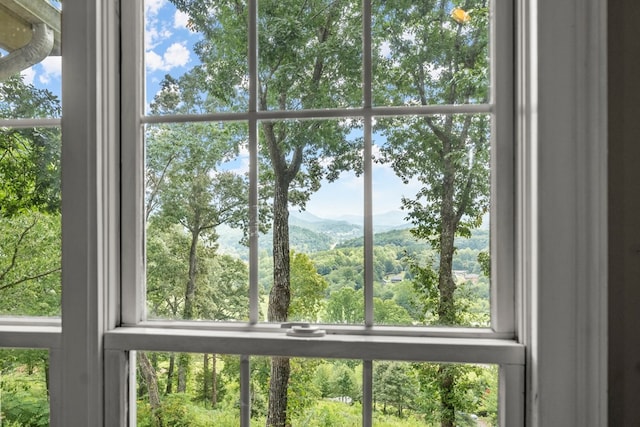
(30, 241)
(307, 289)
(187, 184)
(345, 305)
(308, 58)
(29, 158)
(395, 384)
(443, 61)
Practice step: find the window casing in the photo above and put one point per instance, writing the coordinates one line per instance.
(97, 334)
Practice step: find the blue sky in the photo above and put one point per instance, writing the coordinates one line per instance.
(168, 50)
(46, 74)
(169, 45)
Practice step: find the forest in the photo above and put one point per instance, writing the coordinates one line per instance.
(431, 265)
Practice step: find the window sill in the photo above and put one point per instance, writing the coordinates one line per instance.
(332, 345)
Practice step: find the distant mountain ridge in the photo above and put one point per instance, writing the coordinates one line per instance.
(310, 233)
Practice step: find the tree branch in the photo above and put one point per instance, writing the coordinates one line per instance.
(25, 279)
(14, 257)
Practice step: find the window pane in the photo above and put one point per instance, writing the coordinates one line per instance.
(310, 179)
(318, 392)
(430, 52)
(186, 389)
(24, 388)
(30, 239)
(199, 50)
(30, 85)
(431, 203)
(310, 54)
(430, 394)
(196, 201)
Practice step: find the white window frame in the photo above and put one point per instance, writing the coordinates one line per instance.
(368, 342)
(560, 247)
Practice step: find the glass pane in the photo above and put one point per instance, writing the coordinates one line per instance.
(430, 394)
(24, 388)
(185, 389)
(431, 224)
(30, 237)
(30, 85)
(197, 52)
(315, 393)
(311, 259)
(310, 54)
(430, 52)
(197, 221)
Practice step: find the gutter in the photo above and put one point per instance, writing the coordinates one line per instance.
(36, 50)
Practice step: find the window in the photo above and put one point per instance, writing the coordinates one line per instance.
(255, 117)
(30, 204)
(106, 309)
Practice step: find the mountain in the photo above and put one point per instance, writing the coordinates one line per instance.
(391, 220)
(340, 230)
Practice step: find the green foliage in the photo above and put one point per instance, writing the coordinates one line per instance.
(395, 387)
(330, 414)
(30, 241)
(23, 388)
(475, 391)
(30, 258)
(307, 289)
(388, 312)
(176, 410)
(301, 392)
(29, 158)
(345, 305)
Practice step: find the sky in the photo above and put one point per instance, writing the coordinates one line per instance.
(168, 44)
(169, 50)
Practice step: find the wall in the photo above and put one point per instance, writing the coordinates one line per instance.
(624, 212)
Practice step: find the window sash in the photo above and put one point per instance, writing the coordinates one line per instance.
(502, 170)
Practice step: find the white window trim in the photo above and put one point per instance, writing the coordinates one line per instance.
(562, 208)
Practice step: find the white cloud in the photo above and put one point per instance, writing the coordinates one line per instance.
(155, 31)
(180, 19)
(177, 55)
(28, 75)
(152, 7)
(154, 35)
(51, 69)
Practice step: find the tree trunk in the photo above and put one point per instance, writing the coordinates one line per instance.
(446, 382)
(280, 294)
(280, 369)
(151, 379)
(190, 292)
(205, 377)
(47, 377)
(183, 368)
(214, 382)
(446, 284)
(172, 365)
(279, 299)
